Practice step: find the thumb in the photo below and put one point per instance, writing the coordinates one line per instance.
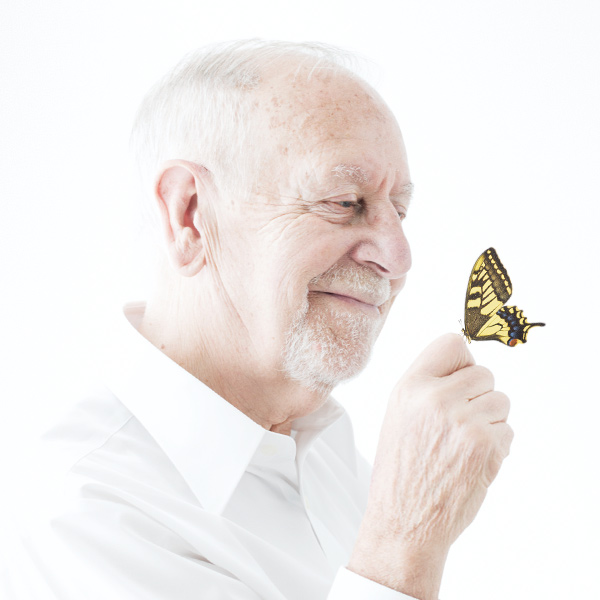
(443, 356)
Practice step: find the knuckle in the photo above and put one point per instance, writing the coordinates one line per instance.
(501, 403)
(487, 437)
(504, 400)
(484, 375)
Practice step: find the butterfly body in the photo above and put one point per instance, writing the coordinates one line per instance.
(486, 317)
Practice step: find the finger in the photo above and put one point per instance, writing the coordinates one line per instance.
(442, 357)
(469, 382)
(493, 407)
(503, 436)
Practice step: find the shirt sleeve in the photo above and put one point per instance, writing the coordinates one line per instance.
(348, 585)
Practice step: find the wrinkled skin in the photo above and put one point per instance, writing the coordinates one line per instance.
(442, 443)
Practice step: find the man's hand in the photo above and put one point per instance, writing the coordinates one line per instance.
(442, 443)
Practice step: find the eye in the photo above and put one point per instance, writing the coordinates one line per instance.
(401, 212)
(341, 209)
(356, 205)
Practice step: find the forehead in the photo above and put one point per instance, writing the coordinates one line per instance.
(335, 124)
(315, 101)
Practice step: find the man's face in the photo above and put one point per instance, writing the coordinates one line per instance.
(308, 268)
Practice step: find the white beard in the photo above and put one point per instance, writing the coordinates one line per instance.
(326, 345)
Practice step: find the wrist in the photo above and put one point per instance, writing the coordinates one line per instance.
(413, 571)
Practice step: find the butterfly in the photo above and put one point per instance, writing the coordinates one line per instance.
(486, 317)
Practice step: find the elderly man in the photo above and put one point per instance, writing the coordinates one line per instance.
(213, 462)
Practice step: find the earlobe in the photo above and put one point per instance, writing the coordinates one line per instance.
(176, 190)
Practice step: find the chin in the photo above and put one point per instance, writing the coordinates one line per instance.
(325, 347)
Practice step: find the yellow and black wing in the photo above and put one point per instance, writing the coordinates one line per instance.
(486, 317)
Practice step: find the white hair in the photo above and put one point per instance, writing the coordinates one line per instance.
(201, 110)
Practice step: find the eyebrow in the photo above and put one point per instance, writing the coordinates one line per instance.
(407, 191)
(357, 174)
(351, 172)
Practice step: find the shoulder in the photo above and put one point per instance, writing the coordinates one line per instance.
(93, 494)
(92, 421)
(96, 453)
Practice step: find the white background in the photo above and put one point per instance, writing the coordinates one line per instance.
(499, 103)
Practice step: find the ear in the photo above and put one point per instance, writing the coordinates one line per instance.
(177, 187)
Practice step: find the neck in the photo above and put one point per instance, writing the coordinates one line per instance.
(196, 332)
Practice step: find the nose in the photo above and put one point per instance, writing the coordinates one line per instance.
(383, 245)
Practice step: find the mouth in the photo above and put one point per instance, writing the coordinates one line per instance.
(367, 307)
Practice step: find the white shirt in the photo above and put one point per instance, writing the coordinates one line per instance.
(154, 487)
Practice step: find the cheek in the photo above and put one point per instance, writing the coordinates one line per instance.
(308, 255)
(290, 290)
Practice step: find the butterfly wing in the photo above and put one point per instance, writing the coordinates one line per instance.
(514, 326)
(488, 289)
(486, 317)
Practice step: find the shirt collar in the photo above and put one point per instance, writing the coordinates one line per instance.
(209, 441)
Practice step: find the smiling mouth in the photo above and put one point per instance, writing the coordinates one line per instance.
(371, 309)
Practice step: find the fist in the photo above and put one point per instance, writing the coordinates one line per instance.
(442, 442)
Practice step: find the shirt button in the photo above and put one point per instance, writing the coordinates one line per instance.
(268, 450)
